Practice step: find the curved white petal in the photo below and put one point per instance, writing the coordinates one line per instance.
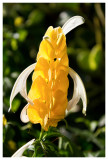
(79, 91)
(20, 151)
(20, 85)
(72, 23)
(23, 116)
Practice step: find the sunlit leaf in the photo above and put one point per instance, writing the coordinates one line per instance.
(95, 57)
(22, 35)
(14, 44)
(83, 59)
(35, 17)
(15, 105)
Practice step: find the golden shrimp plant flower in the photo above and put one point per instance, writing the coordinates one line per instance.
(47, 97)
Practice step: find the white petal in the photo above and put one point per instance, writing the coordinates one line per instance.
(20, 151)
(20, 85)
(23, 116)
(72, 23)
(79, 91)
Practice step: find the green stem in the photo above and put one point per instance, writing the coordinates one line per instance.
(41, 133)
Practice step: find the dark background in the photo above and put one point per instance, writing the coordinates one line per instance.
(23, 28)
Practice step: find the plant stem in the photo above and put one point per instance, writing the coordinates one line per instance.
(41, 133)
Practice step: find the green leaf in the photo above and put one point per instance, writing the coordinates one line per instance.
(48, 149)
(90, 59)
(95, 57)
(88, 136)
(100, 153)
(14, 44)
(63, 153)
(51, 134)
(38, 152)
(35, 17)
(70, 148)
(22, 35)
(15, 105)
(82, 59)
(83, 120)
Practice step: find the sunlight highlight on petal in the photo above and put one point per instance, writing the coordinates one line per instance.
(20, 85)
(72, 23)
(79, 91)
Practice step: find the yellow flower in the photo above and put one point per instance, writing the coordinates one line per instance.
(47, 98)
(50, 82)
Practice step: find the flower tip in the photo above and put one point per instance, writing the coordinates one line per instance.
(10, 104)
(84, 112)
(83, 20)
(31, 142)
(20, 151)
(9, 108)
(46, 37)
(72, 23)
(23, 116)
(84, 104)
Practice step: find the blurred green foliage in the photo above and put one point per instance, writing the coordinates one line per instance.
(24, 25)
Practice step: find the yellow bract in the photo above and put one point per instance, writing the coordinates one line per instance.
(50, 82)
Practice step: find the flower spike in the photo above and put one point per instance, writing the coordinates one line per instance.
(20, 85)
(20, 151)
(72, 23)
(79, 91)
(50, 80)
